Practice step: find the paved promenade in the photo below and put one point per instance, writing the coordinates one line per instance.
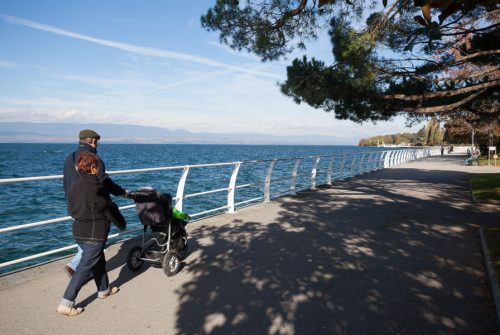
(396, 251)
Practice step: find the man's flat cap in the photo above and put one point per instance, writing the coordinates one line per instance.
(87, 133)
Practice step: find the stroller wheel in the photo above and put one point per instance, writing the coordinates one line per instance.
(182, 247)
(170, 263)
(134, 261)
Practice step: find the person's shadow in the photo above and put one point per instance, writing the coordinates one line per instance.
(120, 261)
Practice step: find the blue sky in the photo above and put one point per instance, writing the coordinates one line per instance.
(148, 63)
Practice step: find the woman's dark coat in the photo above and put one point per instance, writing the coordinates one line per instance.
(91, 207)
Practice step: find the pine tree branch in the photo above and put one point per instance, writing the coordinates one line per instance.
(300, 8)
(443, 108)
(442, 94)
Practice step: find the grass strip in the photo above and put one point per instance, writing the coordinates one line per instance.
(484, 161)
(485, 186)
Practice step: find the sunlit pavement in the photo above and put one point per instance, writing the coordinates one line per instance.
(395, 251)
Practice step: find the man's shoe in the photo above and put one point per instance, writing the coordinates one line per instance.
(112, 290)
(69, 271)
(69, 311)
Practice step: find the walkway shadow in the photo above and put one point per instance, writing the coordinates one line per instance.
(118, 261)
(391, 252)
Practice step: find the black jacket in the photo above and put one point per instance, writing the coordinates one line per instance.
(92, 209)
(71, 175)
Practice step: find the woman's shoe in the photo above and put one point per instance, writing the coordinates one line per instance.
(112, 290)
(69, 311)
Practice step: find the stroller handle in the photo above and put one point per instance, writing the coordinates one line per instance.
(134, 194)
(145, 195)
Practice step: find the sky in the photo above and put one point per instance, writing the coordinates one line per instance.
(150, 63)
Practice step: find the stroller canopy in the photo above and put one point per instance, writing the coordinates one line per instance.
(153, 208)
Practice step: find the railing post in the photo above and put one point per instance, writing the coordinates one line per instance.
(342, 164)
(232, 188)
(360, 164)
(313, 173)
(267, 184)
(330, 171)
(378, 159)
(180, 189)
(293, 182)
(369, 164)
(353, 161)
(364, 162)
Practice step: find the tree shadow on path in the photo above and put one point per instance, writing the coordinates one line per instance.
(384, 253)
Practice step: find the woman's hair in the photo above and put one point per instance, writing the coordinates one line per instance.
(85, 162)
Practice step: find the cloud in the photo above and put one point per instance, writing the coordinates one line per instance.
(39, 113)
(146, 51)
(7, 65)
(227, 49)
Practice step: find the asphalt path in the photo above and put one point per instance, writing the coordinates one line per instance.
(395, 251)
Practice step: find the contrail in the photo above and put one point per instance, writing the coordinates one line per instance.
(147, 51)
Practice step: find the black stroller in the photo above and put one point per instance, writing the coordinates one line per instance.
(166, 242)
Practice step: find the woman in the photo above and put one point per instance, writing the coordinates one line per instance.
(92, 210)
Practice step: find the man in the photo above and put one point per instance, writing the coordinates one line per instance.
(88, 143)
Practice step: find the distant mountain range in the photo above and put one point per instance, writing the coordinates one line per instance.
(28, 132)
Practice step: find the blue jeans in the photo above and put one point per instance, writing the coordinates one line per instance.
(76, 259)
(92, 262)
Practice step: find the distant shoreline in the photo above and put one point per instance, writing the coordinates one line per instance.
(30, 132)
(234, 144)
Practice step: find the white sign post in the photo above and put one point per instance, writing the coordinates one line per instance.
(492, 152)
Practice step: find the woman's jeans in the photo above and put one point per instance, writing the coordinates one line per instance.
(92, 261)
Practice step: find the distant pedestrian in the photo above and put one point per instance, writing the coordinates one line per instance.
(88, 143)
(93, 211)
(442, 150)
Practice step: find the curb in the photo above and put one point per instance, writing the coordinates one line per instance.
(491, 274)
(474, 200)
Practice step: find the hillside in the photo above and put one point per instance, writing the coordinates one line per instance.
(27, 132)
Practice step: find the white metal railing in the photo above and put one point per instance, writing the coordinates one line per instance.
(360, 162)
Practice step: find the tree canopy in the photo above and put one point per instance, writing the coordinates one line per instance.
(419, 58)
